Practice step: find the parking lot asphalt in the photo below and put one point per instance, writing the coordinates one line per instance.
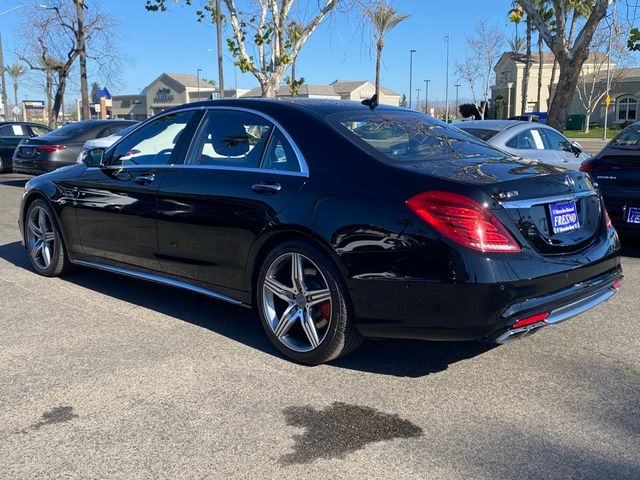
(103, 376)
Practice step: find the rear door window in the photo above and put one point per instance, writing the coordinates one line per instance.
(527, 140)
(230, 138)
(14, 131)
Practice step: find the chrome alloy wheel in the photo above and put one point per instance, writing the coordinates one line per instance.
(41, 237)
(297, 302)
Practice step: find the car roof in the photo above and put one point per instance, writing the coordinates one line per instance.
(500, 125)
(321, 106)
(35, 124)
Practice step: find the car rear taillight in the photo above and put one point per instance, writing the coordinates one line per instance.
(464, 221)
(530, 320)
(590, 166)
(607, 219)
(50, 148)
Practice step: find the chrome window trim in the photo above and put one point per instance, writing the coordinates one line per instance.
(546, 200)
(302, 163)
(176, 166)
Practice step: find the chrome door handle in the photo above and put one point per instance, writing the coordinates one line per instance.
(266, 187)
(144, 178)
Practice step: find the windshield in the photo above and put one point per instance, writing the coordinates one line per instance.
(412, 137)
(628, 139)
(70, 130)
(482, 133)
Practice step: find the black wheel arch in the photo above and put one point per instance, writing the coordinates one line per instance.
(267, 241)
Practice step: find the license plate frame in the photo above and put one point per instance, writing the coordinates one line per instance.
(633, 215)
(564, 217)
(27, 152)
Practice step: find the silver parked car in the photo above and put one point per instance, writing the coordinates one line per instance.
(531, 140)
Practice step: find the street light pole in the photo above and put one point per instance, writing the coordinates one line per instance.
(219, 42)
(411, 52)
(509, 87)
(446, 88)
(426, 96)
(198, 75)
(457, 85)
(418, 90)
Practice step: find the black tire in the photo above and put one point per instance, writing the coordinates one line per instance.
(5, 166)
(58, 263)
(339, 335)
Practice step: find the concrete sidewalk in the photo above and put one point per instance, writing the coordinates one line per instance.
(591, 145)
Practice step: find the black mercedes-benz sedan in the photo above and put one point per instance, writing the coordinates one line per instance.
(335, 221)
(616, 171)
(62, 146)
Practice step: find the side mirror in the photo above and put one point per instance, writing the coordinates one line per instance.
(577, 149)
(93, 157)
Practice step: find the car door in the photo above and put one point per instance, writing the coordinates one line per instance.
(562, 148)
(117, 202)
(10, 136)
(240, 172)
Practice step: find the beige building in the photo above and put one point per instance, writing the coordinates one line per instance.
(166, 91)
(356, 90)
(506, 94)
(172, 89)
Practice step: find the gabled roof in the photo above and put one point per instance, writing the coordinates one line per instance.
(347, 86)
(304, 89)
(188, 80)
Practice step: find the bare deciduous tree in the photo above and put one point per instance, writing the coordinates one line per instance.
(592, 85)
(485, 48)
(53, 49)
(571, 55)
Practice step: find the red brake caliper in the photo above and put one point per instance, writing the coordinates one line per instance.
(325, 310)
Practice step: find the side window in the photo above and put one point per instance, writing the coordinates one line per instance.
(39, 130)
(229, 138)
(527, 140)
(555, 141)
(280, 155)
(152, 144)
(13, 131)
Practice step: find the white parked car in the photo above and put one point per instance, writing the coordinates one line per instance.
(530, 140)
(105, 142)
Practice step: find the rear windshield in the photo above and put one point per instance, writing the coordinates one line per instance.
(628, 139)
(404, 136)
(482, 133)
(71, 130)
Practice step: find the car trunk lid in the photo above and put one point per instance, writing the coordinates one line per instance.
(553, 210)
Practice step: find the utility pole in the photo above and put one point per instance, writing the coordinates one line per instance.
(80, 43)
(5, 105)
(219, 41)
(411, 52)
(446, 88)
(457, 85)
(426, 96)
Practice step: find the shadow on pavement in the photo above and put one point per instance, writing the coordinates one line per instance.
(630, 244)
(15, 182)
(401, 358)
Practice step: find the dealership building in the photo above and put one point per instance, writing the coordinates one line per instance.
(172, 89)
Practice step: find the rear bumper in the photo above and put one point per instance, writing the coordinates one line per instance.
(583, 297)
(485, 312)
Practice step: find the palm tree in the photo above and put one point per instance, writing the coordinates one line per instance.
(383, 18)
(16, 71)
(517, 45)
